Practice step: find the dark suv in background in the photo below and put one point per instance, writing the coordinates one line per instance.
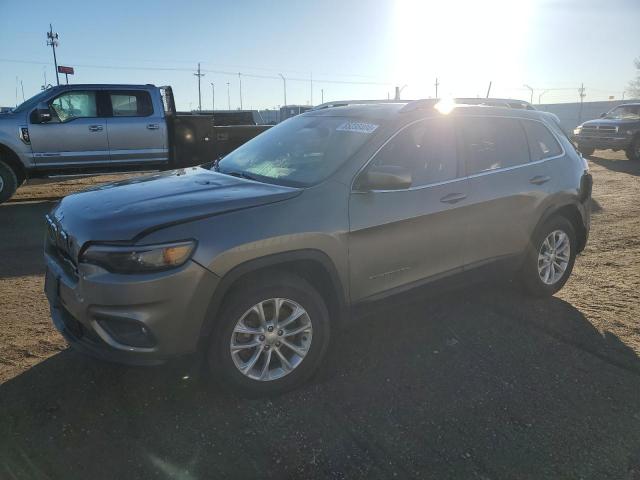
(257, 259)
(618, 129)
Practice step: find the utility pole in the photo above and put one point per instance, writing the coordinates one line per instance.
(489, 89)
(531, 90)
(436, 85)
(228, 97)
(284, 82)
(213, 97)
(399, 91)
(199, 75)
(52, 40)
(22, 87)
(311, 103)
(581, 94)
(240, 78)
(321, 96)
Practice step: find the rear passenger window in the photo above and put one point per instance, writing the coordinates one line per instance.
(542, 143)
(427, 149)
(131, 104)
(492, 143)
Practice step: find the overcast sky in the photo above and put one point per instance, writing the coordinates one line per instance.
(351, 48)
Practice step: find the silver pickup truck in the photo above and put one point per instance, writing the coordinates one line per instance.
(92, 129)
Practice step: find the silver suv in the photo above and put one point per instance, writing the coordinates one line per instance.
(255, 260)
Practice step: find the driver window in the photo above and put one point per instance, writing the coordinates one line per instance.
(72, 105)
(427, 149)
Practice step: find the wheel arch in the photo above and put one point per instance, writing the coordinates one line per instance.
(313, 265)
(11, 158)
(572, 213)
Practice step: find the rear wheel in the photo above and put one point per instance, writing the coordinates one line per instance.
(550, 257)
(271, 337)
(633, 151)
(8, 182)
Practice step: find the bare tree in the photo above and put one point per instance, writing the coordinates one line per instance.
(633, 89)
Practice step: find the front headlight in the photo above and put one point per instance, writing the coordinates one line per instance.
(139, 258)
(577, 130)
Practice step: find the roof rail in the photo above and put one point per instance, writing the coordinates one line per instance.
(423, 104)
(345, 103)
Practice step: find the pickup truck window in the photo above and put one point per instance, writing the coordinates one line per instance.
(131, 104)
(75, 104)
(628, 112)
(300, 151)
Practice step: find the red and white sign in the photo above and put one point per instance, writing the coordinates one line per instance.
(67, 70)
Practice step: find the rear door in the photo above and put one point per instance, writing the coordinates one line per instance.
(399, 238)
(137, 129)
(506, 188)
(76, 136)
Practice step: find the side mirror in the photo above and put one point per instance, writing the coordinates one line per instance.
(384, 177)
(42, 113)
(602, 115)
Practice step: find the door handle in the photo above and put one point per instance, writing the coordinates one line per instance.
(153, 126)
(453, 198)
(539, 179)
(95, 128)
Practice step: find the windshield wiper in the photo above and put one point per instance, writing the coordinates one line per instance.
(239, 174)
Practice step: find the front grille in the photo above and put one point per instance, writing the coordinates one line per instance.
(599, 131)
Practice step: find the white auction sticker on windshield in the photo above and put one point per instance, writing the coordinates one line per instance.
(359, 127)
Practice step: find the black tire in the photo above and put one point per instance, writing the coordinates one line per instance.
(586, 150)
(8, 182)
(633, 151)
(531, 279)
(243, 298)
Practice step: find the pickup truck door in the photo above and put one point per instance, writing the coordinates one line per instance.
(137, 130)
(76, 135)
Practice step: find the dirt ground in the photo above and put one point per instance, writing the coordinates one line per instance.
(476, 383)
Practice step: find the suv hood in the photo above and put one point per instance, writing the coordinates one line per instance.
(125, 210)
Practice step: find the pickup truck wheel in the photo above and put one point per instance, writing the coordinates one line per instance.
(586, 150)
(271, 337)
(8, 182)
(549, 258)
(633, 151)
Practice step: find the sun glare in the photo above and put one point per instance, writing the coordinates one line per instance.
(464, 43)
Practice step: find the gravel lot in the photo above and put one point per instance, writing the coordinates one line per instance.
(477, 383)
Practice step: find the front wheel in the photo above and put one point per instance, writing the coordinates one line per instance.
(633, 151)
(587, 151)
(550, 257)
(271, 336)
(8, 182)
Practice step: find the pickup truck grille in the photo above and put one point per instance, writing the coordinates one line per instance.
(599, 131)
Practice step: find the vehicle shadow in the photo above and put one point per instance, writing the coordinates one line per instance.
(475, 383)
(22, 228)
(622, 166)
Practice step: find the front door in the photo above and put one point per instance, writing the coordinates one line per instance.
(76, 136)
(137, 131)
(400, 238)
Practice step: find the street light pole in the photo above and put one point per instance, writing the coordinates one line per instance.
(52, 40)
(284, 82)
(240, 79)
(213, 97)
(540, 96)
(228, 97)
(531, 89)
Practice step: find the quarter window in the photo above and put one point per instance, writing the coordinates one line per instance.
(492, 143)
(131, 104)
(75, 104)
(542, 143)
(427, 149)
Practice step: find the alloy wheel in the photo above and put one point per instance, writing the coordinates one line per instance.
(553, 257)
(271, 339)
